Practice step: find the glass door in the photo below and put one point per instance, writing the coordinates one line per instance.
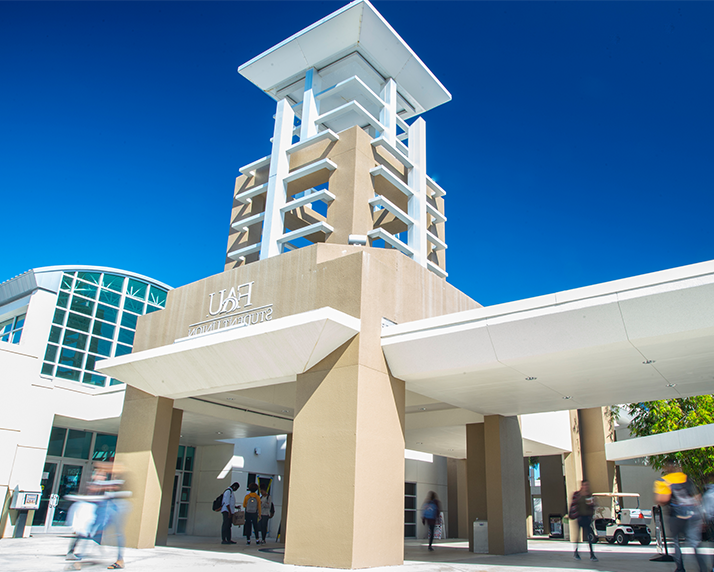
(69, 483)
(47, 500)
(174, 508)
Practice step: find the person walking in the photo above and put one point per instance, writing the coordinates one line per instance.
(228, 507)
(267, 511)
(582, 507)
(676, 491)
(430, 513)
(251, 503)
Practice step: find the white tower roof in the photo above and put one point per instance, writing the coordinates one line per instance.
(355, 30)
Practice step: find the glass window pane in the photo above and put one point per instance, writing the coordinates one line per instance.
(150, 308)
(103, 329)
(100, 346)
(113, 282)
(5, 326)
(92, 277)
(16, 337)
(190, 453)
(20, 321)
(185, 496)
(104, 447)
(71, 358)
(410, 502)
(91, 361)
(78, 322)
(82, 305)
(410, 488)
(59, 317)
(122, 350)
(181, 527)
(107, 313)
(129, 320)
(126, 336)
(410, 516)
(134, 306)
(67, 280)
(86, 290)
(62, 299)
(179, 457)
(55, 333)
(115, 382)
(78, 443)
(157, 296)
(50, 353)
(187, 479)
(74, 340)
(94, 379)
(137, 289)
(48, 368)
(56, 441)
(109, 297)
(66, 373)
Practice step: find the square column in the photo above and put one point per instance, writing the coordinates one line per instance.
(496, 475)
(145, 434)
(347, 466)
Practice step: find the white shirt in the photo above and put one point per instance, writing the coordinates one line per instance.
(229, 501)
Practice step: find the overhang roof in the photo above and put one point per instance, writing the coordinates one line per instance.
(357, 27)
(642, 338)
(235, 358)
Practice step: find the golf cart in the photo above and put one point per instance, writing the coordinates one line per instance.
(616, 523)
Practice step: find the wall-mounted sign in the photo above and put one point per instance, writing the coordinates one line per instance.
(229, 308)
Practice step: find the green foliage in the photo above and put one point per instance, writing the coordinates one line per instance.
(654, 417)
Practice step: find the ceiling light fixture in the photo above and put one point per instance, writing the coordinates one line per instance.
(671, 385)
(285, 411)
(219, 432)
(648, 362)
(422, 409)
(567, 396)
(418, 443)
(230, 398)
(531, 378)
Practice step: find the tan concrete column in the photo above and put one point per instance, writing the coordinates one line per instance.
(529, 498)
(162, 532)
(457, 484)
(495, 459)
(286, 487)
(348, 447)
(142, 449)
(552, 488)
(595, 431)
(573, 470)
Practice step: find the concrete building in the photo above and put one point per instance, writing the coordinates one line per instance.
(333, 324)
(57, 412)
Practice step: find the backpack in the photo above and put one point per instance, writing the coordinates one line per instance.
(251, 504)
(682, 503)
(573, 511)
(218, 502)
(430, 510)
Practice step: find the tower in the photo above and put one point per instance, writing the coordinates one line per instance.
(345, 166)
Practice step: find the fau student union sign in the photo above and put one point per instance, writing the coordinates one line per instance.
(230, 310)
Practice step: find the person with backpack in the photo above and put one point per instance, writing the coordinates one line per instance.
(251, 503)
(267, 511)
(228, 507)
(676, 491)
(430, 513)
(582, 508)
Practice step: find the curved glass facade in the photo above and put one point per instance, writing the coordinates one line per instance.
(95, 318)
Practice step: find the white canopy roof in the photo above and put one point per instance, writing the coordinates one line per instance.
(236, 358)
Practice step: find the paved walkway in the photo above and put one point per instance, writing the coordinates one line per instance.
(45, 553)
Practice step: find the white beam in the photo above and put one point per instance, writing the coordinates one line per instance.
(662, 444)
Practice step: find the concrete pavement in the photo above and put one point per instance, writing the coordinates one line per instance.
(45, 553)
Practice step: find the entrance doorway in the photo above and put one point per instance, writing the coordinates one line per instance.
(59, 478)
(181, 492)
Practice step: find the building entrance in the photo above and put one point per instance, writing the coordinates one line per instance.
(59, 478)
(181, 493)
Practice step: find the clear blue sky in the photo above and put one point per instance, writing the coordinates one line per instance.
(578, 148)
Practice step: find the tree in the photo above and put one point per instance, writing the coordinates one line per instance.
(654, 417)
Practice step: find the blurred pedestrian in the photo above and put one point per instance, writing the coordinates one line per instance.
(582, 507)
(430, 514)
(677, 492)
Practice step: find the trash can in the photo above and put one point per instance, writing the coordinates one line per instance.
(480, 537)
(556, 525)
